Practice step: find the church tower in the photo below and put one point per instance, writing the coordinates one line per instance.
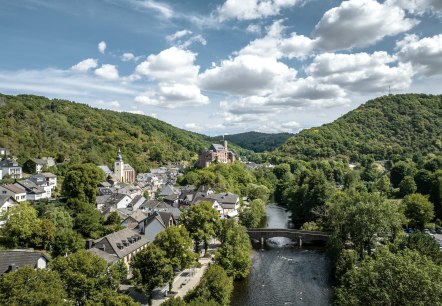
(119, 166)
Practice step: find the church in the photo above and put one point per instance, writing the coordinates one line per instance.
(124, 172)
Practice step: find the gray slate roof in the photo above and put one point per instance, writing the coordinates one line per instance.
(19, 259)
(113, 240)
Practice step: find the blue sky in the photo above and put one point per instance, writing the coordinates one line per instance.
(225, 66)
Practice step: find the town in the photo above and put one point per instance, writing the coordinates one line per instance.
(140, 206)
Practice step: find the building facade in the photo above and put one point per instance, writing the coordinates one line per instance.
(217, 153)
(124, 172)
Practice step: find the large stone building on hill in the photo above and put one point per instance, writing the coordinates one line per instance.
(217, 153)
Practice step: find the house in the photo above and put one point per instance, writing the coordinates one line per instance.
(214, 203)
(15, 259)
(133, 220)
(168, 218)
(216, 153)
(4, 152)
(6, 202)
(11, 168)
(123, 245)
(36, 165)
(136, 202)
(117, 201)
(106, 170)
(168, 190)
(45, 179)
(13, 191)
(151, 206)
(229, 202)
(33, 191)
(151, 226)
(124, 172)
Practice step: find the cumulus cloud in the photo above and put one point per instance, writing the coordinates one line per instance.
(419, 7)
(253, 9)
(424, 55)
(85, 65)
(361, 72)
(173, 96)
(108, 72)
(247, 75)
(126, 57)
(173, 65)
(254, 28)
(274, 44)
(102, 46)
(360, 23)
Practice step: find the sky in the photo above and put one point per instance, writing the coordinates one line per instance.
(222, 66)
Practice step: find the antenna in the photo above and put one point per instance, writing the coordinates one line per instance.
(389, 90)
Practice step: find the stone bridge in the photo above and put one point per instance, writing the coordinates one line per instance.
(302, 237)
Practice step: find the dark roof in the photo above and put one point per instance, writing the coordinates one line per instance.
(19, 259)
(6, 163)
(138, 216)
(118, 238)
(106, 256)
(13, 188)
(115, 198)
(216, 147)
(31, 187)
(224, 198)
(168, 190)
(165, 217)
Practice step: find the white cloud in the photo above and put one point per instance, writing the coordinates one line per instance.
(247, 75)
(112, 105)
(102, 46)
(274, 44)
(254, 28)
(108, 72)
(85, 65)
(253, 9)
(173, 96)
(278, 127)
(418, 7)
(361, 72)
(162, 8)
(425, 55)
(360, 23)
(126, 57)
(173, 65)
(178, 35)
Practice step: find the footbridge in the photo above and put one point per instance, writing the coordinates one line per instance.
(300, 236)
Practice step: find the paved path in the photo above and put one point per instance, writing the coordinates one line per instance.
(185, 281)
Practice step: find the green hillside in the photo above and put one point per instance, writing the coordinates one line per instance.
(256, 141)
(33, 126)
(387, 126)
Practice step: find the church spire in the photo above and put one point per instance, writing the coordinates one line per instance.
(119, 157)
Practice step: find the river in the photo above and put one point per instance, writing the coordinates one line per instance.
(283, 274)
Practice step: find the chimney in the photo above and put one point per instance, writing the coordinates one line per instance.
(89, 244)
(12, 268)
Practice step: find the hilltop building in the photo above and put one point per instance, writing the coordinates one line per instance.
(217, 153)
(124, 172)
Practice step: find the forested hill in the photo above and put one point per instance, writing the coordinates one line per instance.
(256, 141)
(387, 126)
(33, 126)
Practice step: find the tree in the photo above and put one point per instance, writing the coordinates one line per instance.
(202, 222)
(362, 219)
(418, 210)
(21, 224)
(215, 286)
(423, 181)
(67, 241)
(399, 171)
(81, 182)
(84, 274)
(177, 244)
(425, 245)
(234, 254)
(28, 286)
(60, 217)
(255, 191)
(107, 297)
(404, 278)
(407, 186)
(151, 268)
(251, 217)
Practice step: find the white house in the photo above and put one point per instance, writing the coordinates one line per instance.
(13, 191)
(33, 191)
(11, 168)
(228, 201)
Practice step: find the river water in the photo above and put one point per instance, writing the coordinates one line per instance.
(284, 274)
